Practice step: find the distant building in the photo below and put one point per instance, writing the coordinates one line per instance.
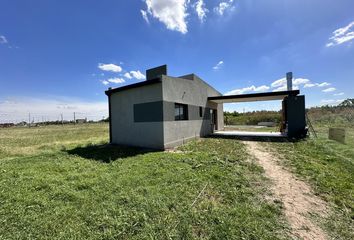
(6, 125)
(82, 120)
(23, 123)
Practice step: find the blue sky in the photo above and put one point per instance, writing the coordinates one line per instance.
(59, 56)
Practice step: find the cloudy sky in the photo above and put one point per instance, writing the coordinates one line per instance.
(59, 56)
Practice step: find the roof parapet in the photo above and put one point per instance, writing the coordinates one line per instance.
(189, 76)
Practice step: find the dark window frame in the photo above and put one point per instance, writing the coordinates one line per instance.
(200, 111)
(182, 112)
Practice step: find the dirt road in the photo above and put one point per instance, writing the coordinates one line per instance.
(296, 195)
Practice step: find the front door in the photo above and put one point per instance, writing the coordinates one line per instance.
(214, 121)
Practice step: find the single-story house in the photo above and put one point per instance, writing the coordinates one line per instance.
(164, 112)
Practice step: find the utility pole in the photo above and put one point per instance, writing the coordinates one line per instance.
(74, 118)
(29, 119)
(61, 115)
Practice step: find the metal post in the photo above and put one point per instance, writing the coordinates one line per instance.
(289, 80)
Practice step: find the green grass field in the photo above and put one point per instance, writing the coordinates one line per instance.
(329, 167)
(248, 128)
(64, 182)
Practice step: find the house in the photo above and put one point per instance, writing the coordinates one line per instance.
(163, 111)
(81, 120)
(6, 125)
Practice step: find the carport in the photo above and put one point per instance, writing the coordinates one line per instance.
(293, 124)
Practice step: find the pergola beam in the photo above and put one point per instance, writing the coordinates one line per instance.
(253, 97)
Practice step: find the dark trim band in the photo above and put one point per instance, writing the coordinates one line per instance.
(164, 111)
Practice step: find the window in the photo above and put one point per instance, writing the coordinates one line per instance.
(200, 112)
(181, 111)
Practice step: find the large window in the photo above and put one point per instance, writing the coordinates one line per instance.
(181, 111)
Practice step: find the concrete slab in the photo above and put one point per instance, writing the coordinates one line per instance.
(248, 134)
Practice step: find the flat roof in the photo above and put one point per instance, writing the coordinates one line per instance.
(252, 97)
(134, 85)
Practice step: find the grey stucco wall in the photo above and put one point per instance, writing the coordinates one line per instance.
(127, 132)
(193, 91)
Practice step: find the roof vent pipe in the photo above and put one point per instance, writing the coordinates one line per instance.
(289, 80)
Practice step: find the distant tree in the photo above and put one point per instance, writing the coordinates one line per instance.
(347, 103)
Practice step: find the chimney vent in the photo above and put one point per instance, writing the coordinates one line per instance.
(156, 72)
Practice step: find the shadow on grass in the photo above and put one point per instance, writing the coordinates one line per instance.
(107, 153)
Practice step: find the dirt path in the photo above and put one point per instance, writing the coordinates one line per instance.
(297, 197)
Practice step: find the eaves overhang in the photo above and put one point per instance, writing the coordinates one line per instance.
(134, 85)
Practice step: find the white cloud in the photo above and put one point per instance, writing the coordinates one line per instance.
(285, 88)
(341, 35)
(16, 109)
(281, 84)
(247, 89)
(300, 81)
(338, 94)
(110, 67)
(332, 89)
(144, 14)
(127, 75)
(261, 88)
(116, 80)
(138, 75)
(218, 65)
(201, 10)
(331, 101)
(172, 13)
(281, 88)
(324, 84)
(224, 6)
(105, 82)
(3, 39)
(113, 80)
(309, 85)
